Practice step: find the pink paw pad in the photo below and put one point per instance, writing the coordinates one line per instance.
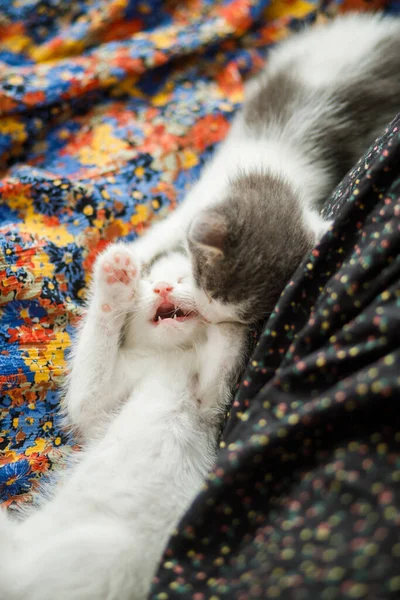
(119, 275)
(117, 259)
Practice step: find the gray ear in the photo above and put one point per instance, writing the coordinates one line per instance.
(208, 233)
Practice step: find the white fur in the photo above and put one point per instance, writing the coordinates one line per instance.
(338, 51)
(147, 410)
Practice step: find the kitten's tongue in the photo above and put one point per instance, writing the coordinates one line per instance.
(166, 310)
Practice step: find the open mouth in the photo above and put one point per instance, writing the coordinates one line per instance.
(168, 311)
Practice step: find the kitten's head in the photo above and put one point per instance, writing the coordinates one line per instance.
(166, 313)
(245, 248)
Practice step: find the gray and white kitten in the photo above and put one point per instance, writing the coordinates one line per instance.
(322, 99)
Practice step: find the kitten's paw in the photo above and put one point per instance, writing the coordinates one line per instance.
(116, 277)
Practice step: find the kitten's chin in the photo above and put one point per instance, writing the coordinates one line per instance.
(172, 332)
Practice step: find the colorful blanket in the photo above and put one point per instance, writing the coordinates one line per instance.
(108, 110)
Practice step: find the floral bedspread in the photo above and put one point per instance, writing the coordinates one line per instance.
(108, 110)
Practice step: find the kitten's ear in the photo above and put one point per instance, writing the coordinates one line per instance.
(208, 233)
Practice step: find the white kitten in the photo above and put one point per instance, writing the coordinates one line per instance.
(145, 395)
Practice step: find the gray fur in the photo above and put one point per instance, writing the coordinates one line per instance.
(348, 117)
(262, 246)
(277, 101)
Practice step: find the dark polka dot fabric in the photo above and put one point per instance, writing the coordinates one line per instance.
(304, 502)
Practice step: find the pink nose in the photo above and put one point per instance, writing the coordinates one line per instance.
(163, 288)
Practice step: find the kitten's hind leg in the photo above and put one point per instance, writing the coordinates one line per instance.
(92, 391)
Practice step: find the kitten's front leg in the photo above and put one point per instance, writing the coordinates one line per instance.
(221, 360)
(93, 391)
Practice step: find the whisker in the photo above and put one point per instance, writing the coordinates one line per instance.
(115, 315)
